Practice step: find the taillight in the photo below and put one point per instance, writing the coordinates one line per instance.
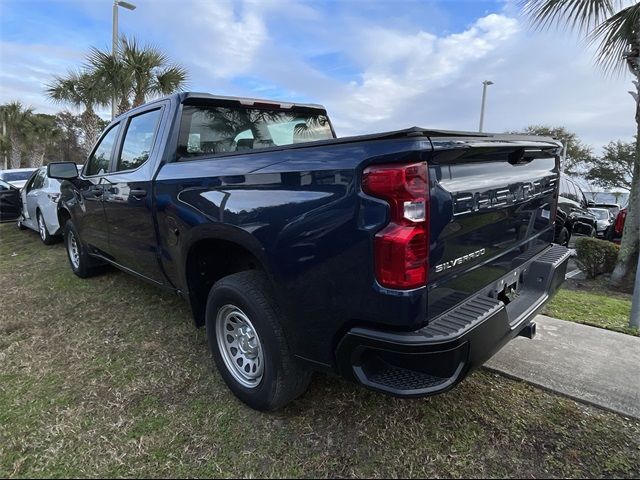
(402, 247)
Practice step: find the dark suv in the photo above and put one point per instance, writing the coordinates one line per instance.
(573, 217)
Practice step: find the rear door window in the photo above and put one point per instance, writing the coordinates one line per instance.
(98, 163)
(138, 140)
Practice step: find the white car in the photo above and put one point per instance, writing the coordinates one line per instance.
(604, 219)
(39, 212)
(16, 176)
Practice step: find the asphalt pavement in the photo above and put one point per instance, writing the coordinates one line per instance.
(588, 364)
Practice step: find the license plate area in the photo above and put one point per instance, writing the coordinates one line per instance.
(508, 288)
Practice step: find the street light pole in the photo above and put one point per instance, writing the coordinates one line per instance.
(114, 40)
(485, 84)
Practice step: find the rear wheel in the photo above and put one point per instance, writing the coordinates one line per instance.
(46, 238)
(563, 237)
(80, 261)
(248, 343)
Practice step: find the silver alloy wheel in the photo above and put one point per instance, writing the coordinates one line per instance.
(239, 346)
(42, 228)
(74, 252)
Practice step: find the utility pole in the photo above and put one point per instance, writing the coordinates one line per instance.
(114, 40)
(485, 84)
(4, 134)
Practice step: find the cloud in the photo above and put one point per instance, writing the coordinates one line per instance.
(403, 67)
(26, 69)
(379, 68)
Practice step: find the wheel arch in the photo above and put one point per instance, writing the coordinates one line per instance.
(63, 215)
(214, 253)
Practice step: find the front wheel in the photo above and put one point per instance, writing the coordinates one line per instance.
(248, 343)
(80, 261)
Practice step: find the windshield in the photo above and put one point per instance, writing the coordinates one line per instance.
(15, 176)
(210, 130)
(600, 214)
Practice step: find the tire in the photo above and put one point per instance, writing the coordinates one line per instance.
(271, 377)
(46, 238)
(563, 237)
(80, 261)
(608, 235)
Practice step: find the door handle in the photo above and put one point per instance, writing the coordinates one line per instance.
(137, 193)
(96, 190)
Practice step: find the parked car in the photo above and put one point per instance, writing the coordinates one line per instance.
(614, 233)
(16, 176)
(614, 208)
(401, 260)
(574, 217)
(39, 206)
(9, 202)
(604, 219)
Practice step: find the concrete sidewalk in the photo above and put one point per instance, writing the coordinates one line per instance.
(585, 363)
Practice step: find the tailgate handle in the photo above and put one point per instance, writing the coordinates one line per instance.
(517, 157)
(138, 193)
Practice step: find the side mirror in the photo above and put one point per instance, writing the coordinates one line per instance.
(62, 170)
(591, 203)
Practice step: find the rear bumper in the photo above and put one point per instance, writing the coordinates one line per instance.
(437, 357)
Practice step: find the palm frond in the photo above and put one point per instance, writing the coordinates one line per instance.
(583, 15)
(617, 39)
(171, 79)
(110, 72)
(17, 117)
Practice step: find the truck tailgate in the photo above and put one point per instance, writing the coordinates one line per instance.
(492, 207)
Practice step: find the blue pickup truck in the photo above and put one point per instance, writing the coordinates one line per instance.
(400, 260)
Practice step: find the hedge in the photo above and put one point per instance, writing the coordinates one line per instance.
(596, 256)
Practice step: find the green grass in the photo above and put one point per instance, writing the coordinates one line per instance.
(608, 310)
(108, 377)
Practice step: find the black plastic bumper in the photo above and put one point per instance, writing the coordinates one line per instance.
(437, 357)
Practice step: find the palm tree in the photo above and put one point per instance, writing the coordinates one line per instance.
(41, 133)
(16, 118)
(111, 72)
(136, 73)
(150, 71)
(82, 90)
(613, 26)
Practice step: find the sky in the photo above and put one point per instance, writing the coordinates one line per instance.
(375, 65)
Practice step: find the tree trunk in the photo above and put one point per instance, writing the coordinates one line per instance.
(38, 157)
(123, 106)
(15, 154)
(623, 274)
(138, 99)
(90, 132)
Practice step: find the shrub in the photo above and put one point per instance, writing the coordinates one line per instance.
(596, 256)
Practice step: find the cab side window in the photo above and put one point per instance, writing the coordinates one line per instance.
(99, 160)
(582, 199)
(138, 140)
(564, 188)
(29, 184)
(570, 192)
(38, 181)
